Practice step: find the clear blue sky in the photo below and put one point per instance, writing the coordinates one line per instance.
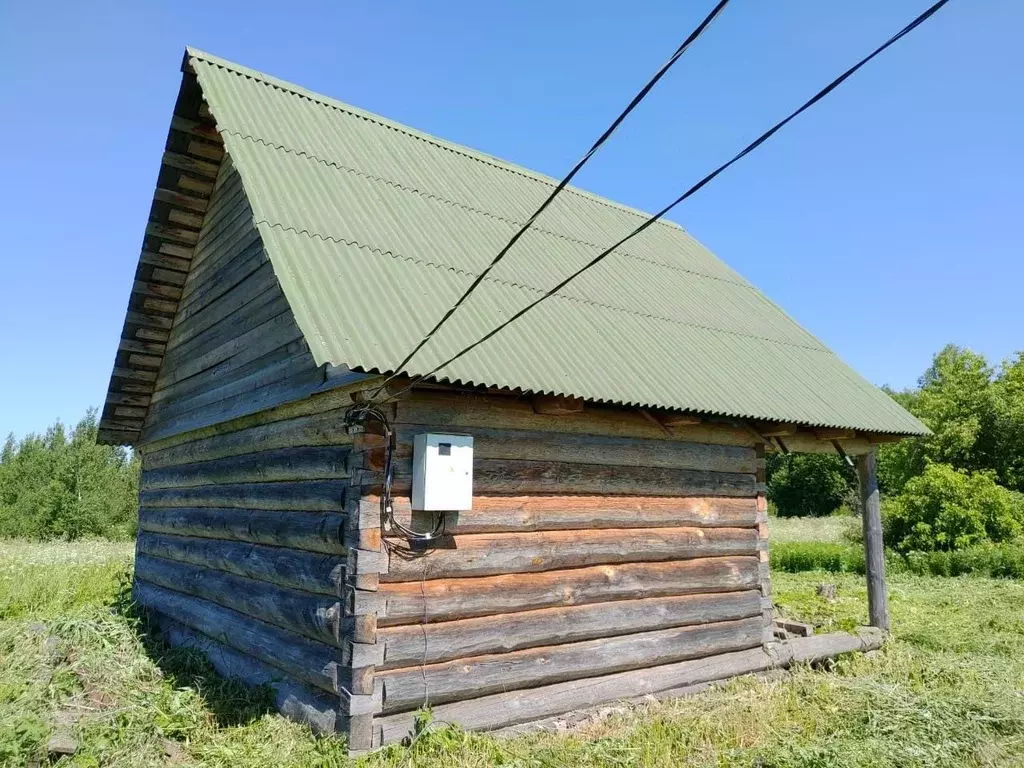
(886, 221)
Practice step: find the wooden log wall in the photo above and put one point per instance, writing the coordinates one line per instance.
(599, 543)
(242, 552)
(234, 347)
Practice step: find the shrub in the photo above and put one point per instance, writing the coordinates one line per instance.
(945, 510)
(808, 485)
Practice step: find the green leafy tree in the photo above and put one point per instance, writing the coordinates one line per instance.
(57, 485)
(808, 484)
(1009, 398)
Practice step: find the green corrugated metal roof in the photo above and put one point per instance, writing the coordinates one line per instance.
(375, 229)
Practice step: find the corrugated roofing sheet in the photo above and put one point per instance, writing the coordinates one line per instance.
(375, 229)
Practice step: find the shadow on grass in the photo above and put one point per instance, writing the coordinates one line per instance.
(230, 701)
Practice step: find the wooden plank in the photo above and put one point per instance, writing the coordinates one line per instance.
(115, 437)
(304, 571)
(463, 411)
(308, 531)
(206, 130)
(166, 306)
(185, 218)
(174, 234)
(448, 599)
(304, 659)
(133, 374)
(293, 699)
(314, 496)
(164, 262)
(169, 276)
(874, 551)
(130, 412)
(192, 184)
(496, 514)
(124, 398)
(319, 429)
(144, 361)
(518, 477)
(412, 687)
(487, 554)
(206, 151)
(536, 445)
(124, 425)
(317, 617)
(834, 434)
(504, 709)
(414, 644)
(151, 334)
(178, 200)
(322, 463)
(148, 321)
(181, 251)
(146, 347)
(191, 165)
(157, 290)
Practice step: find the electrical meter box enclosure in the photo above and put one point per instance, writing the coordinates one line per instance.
(442, 472)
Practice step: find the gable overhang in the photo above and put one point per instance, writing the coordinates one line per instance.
(189, 166)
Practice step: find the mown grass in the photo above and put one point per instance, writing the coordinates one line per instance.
(947, 690)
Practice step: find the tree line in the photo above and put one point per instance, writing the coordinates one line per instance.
(960, 485)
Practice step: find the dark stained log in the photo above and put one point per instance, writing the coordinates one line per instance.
(317, 617)
(534, 445)
(874, 551)
(321, 429)
(464, 411)
(446, 599)
(503, 709)
(315, 708)
(443, 641)
(411, 687)
(305, 571)
(311, 531)
(488, 554)
(282, 464)
(313, 495)
(304, 659)
(494, 514)
(512, 476)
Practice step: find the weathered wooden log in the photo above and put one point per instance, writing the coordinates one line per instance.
(317, 617)
(311, 662)
(446, 599)
(521, 706)
(430, 643)
(411, 687)
(818, 648)
(312, 495)
(874, 551)
(534, 445)
(457, 412)
(292, 699)
(486, 554)
(497, 514)
(515, 476)
(305, 571)
(282, 464)
(311, 531)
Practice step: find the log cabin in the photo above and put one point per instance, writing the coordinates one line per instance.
(612, 443)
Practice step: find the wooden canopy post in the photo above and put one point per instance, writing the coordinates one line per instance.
(874, 553)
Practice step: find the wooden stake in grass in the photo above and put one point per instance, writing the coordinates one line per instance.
(874, 554)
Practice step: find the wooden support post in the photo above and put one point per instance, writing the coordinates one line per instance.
(878, 601)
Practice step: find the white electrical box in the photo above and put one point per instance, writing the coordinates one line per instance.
(442, 472)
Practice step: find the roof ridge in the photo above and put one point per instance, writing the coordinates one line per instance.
(432, 196)
(450, 146)
(521, 285)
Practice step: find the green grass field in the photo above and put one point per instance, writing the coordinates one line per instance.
(947, 690)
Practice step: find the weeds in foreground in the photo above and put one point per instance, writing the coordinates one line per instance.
(948, 690)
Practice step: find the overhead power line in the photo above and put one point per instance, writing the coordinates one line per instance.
(697, 32)
(692, 190)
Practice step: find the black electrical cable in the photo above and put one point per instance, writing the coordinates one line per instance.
(692, 190)
(363, 412)
(697, 32)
